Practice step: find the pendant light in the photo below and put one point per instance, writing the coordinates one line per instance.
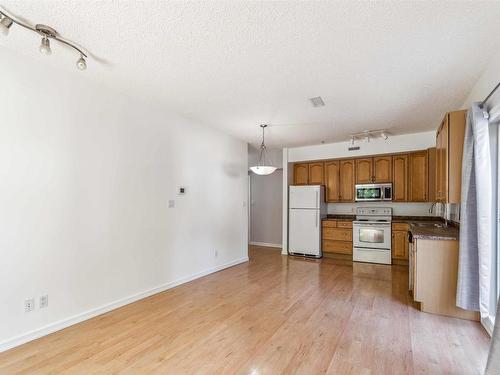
(265, 166)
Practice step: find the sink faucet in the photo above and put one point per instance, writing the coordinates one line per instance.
(432, 206)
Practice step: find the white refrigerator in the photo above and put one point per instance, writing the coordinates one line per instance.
(306, 208)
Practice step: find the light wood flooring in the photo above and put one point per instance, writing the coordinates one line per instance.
(272, 315)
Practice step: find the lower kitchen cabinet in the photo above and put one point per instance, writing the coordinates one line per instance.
(337, 237)
(400, 241)
(434, 270)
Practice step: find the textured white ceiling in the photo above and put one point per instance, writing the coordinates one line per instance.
(234, 65)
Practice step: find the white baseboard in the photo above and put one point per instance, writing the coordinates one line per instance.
(265, 244)
(61, 324)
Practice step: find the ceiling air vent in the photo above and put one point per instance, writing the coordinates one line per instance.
(317, 101)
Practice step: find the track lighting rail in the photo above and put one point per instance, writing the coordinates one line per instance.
(46, 32)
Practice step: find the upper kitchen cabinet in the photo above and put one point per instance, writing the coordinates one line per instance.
(364, 171)
(301, 174)
(418, 176)
(382, 169)
(400, 178)
(332, 180)
(347, 180)
(374, 170)
(449, 149)
(432, 174)
(308, 173)
(316, 176)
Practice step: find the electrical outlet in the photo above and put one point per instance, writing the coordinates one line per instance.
(171, 203)
(29, 305)
(44, 301)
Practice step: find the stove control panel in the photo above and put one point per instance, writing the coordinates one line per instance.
(374, 211)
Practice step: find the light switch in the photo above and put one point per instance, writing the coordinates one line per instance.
(171, 203)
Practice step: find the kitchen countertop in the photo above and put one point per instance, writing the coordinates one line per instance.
(426, 232)
(340, 217)
(451, 232)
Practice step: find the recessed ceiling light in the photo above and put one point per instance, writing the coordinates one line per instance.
(317, 101)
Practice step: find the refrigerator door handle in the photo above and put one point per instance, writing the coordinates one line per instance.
(316, 216)
(317, 199)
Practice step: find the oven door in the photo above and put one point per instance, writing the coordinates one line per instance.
(372, 236)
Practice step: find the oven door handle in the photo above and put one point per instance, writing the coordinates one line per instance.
(373, 225)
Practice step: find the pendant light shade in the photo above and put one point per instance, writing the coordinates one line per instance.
(263, 170)
(265, 166)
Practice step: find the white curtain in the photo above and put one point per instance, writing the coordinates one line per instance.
(474, 269)
(493, 365)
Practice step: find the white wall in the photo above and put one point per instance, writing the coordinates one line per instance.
(398, 143)
(485, 83)
(266, 210)
(86, 176)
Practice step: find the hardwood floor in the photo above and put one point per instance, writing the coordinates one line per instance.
(272, 315)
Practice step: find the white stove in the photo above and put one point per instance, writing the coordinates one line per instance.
(372, 235)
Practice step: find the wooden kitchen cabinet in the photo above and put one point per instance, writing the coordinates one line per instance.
(337, 237)
(316, 174)
(432, 174)
(347, 180)
(434, 267)
(400, 241)
(412, 174)
(382, 169)
(449, 150)
(374, 170)
(418, 177)
(300, 173)
(364, 171)
(308, 173)
(332, 181)
(400, 178)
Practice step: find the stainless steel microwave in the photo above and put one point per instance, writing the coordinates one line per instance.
(373, 192)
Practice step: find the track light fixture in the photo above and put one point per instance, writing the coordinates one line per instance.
(46, 32)
(369, 134)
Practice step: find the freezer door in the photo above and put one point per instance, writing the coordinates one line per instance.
(304, 232)
(305, 196)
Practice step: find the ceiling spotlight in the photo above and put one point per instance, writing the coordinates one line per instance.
(45, 47)
(384, 135)
(5, 25)
(81, 63)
